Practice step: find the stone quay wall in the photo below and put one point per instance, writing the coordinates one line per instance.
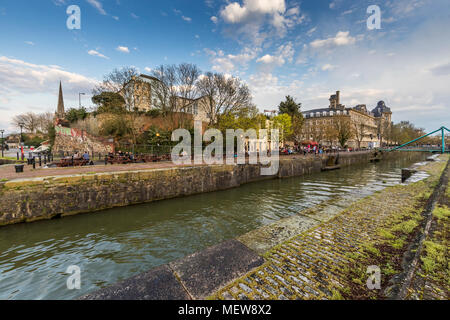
(33, 199)
(8, 161)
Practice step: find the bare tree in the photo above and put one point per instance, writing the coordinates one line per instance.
(29, 121)
(45, 120)
(344, 130)
(225, 94)
(164, 90)
(176, 90)
(359, 130)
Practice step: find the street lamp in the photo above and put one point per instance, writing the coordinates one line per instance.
(79, 97)
(21, 125)
(2, 131)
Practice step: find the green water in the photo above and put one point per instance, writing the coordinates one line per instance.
(115, 244)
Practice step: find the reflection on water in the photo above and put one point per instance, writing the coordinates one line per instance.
(115, 244)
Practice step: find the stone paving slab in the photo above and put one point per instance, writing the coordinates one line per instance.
(205, 272)
(156, 284)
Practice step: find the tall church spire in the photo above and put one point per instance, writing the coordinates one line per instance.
(60, 111)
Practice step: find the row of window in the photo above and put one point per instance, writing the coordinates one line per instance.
(326, 113)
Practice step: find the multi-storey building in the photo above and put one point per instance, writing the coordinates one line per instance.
(366, 128)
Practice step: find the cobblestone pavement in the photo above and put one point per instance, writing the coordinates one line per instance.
(432, 279)
(313, 265)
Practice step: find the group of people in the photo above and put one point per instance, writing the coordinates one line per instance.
(85, 155)
(308, 149)
(128, 155)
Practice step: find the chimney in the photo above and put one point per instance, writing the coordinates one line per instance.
(338, 99)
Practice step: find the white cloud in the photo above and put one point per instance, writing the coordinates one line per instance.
(97, 5)
(285, 53)
(214, 19)
(29, 43)
(254, 15)
(148, 69)
(332, 4)
(230, 62)
(342, 38)
(97, 54)
(115, 18)
(328, 67)
(33, 87)
(186, 18)
(134, 16)
(347, 12)
(268, 59)
(123, 49)
(60, 2)
(311, 31)
(441, 70)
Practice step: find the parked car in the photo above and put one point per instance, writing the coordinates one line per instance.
(41, 149)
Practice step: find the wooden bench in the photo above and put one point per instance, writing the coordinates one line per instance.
(69, 162)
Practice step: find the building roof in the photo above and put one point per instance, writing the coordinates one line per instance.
(380, 109)
(148, 77)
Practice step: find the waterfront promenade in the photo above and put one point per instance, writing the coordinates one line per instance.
(8, 172)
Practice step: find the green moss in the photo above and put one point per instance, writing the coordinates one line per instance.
(442, 213)
(398, 243)
(435, 258)
(405, 227)
(389, 270)
(385, 234)
(372, 250)
(336, 295)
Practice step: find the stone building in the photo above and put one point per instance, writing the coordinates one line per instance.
(143, 98)
(367, 127)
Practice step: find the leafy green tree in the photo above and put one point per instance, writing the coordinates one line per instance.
(73, 115)
(289, 107)
(109, 102)
(292, 108)
(283, 122)
(115, 126)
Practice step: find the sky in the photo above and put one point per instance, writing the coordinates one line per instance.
(307, 49)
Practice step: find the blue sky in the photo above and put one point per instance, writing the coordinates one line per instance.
(307, 49)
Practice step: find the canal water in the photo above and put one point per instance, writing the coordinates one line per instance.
(116, 244)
